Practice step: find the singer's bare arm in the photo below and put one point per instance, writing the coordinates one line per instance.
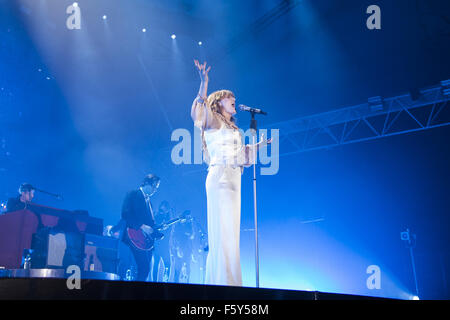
(250, 149)
(201, 114)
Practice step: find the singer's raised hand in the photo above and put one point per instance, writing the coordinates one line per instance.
(201, 114)
(203, 72)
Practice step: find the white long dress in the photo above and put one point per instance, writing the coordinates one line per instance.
(223, 190)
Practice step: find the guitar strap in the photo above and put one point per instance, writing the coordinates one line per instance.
(147, 199)
(149, 204)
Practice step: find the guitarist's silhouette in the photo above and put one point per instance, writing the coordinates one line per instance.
(138, 219)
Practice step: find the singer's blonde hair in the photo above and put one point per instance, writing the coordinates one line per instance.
(213, 102)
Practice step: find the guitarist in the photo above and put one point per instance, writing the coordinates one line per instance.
(137, 212)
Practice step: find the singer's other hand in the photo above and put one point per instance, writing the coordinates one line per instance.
(264, 142)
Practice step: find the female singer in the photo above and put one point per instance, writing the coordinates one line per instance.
(226, 156)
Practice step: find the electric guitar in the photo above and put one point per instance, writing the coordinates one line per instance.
(145, 241)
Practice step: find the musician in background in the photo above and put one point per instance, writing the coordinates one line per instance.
(162, 249)
(137, 212)
(26, 195)
(182, 244)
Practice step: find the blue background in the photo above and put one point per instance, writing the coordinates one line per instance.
(87, 113)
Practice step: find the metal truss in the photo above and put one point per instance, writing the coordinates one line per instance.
(255, 28)
(428, 108)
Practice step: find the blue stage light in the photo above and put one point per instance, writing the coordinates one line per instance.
(104, 17)
(144, 30)
(200, 43)
(173, 36)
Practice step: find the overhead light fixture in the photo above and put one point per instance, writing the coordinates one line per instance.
(445, 88)
(375, 103)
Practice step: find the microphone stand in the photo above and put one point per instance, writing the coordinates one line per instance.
(253, 127)
(57, 196)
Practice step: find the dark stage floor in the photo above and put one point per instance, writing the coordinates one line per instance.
(44, 289)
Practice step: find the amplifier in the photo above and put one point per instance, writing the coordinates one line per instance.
(55, 249)
(100, 253)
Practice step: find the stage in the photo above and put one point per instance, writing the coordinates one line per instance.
(91, 289)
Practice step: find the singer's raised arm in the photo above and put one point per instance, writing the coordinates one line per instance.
(201, 114)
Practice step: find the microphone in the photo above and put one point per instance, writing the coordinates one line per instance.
(252, 110)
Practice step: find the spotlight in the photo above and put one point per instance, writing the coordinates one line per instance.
(200, 43)
(75, 4)
(144, 30)
(415, 298)
(104, 17)
(173, 36)
(375, 104)
(405, 235)
(445, 88)
(48, 78)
